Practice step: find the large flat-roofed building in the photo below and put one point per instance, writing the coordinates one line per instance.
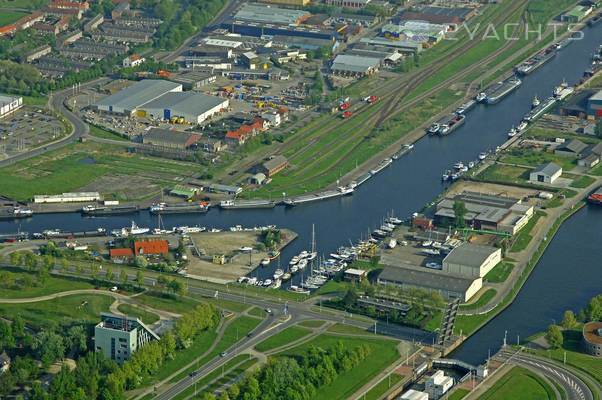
(431, 18)
(193, 107)
(486, 212)
(294, 3)
(257, 29)
(119, 336)
(449, 285)
(170, 138)
(592, 338)
(594, 106)
(418, 31)
(438, 384)
(402, 46)
(9, 104)
(345, 64)
(67, 197)
(473, 260)
(270, 15)
(414, 395)
(130, 99)
(348, 3)
(273, 166)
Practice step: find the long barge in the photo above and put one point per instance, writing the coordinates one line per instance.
(13, 236)
(241, 204)
(403, 151)
(328, 194)
(60, 234)
(382, 165)
(186, 208)
(91, 210)
(535, 62)
(540, 109)
(454, 121)
(596, 197)
(361, 179)
(502, 89)
(15, 213)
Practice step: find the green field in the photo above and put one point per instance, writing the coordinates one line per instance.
(348, 329)
(312, 323)
(383, 353)
(257, 312)
(534, 158)
(169, 303)
(53, 285)
(520, 383)
(101, 133)
(8, 17)
(382, 387)
(144, 316)
(281, 338)
(61, 170)
(80, 307)
(500, 272)
(549, 134)
(582, 182)
(484, 299)
(505, 173)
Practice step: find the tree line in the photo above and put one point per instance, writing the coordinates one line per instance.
(591, 312)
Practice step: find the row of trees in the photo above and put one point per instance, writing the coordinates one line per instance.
(300, 377)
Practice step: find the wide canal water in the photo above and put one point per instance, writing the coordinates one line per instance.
(563, 279)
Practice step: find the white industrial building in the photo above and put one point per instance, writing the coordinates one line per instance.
(193, 107)
(9, 104)
(545, 173)
(438, 384)
(130, 99)
(472, 260)
(414, 395)
(67, 197)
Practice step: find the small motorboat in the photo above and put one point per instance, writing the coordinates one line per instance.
(471, 165)
(294, 260)
(481, 97)
(535, 102)
(512, 132)
(482, 156)
(265, 261)
(278, 273)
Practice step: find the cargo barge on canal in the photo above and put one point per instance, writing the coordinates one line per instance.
(535, 62)
(596, 197)
(497, 92)
(241, 204)
(185, 208)
(540, 109)
(328, 194)
(15, 213)
(92, 210)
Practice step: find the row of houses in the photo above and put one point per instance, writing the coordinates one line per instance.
(247, 131)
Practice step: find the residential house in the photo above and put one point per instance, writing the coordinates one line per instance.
(120, 256)
(152, 247)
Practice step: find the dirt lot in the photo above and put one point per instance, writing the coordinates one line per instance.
(227, 243)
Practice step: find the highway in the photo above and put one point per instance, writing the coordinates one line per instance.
(574, 387)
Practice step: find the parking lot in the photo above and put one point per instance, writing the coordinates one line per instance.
(27, 128)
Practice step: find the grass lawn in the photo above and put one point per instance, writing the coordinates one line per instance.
(540, 133)
(101, 133)
(170, 303)
(524, 235)
(133, 311)
(383, 353)
(227, 378)
(257, 312)
(534, 158)
(53, 285)
(520, 383)
(332, 287)
(582, 182)
(280, 339)
(8, 17)
(458, 394)
(81, 307)
(484, 299)
(500, 272)
(229, 305)
(505, 173)
(235, 331)
(597, 170)
(348, 329)
(312, 323)
(377, 391)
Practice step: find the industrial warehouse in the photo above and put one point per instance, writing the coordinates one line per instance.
(160, 99)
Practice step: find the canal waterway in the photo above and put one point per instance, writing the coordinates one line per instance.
(405, 187)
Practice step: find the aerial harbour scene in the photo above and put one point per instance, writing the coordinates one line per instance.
(295, 199)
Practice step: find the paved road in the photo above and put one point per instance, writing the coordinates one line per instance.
(574, 387)
(80, 128)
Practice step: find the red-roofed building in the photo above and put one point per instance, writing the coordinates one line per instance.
(63, 23)
(132, 61)
(151, 247)
(60, 12)
(69, 5)
(28, 20)
(119, 256)
(8, 30)
(45, 29)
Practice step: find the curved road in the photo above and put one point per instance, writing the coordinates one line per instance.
(573, 386)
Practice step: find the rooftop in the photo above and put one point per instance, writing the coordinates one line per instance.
(273, 15)
(350, 63)
(125, 252)
(151, 247)
(186, 102)
(427, 277)
(548, 169)
(275, 162)
(473, 255)
(169, 135)
(139, 94)
(590, 332)
(355, 271)
(597, 96)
